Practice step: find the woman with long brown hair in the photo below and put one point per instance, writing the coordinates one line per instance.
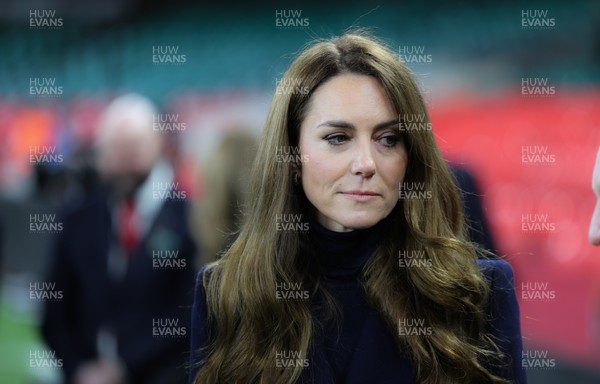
(352, 264)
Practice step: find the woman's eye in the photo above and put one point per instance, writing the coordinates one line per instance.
(337, 139)
(390, 140)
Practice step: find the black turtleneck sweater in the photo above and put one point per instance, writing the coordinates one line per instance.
(342, 256)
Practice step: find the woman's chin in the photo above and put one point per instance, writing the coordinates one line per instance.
(359, 221)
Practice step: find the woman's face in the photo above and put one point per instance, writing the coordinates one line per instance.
(356, 159)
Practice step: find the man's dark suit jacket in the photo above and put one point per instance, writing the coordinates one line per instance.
(135, 307)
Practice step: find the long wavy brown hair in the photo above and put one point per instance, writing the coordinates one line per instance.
(247, 323)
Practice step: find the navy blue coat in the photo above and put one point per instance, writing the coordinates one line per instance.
(375, 357)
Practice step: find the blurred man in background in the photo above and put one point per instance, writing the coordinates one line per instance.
(124, 262)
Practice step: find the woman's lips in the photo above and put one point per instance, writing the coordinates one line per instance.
(361, 195)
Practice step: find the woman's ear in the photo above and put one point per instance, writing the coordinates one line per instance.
(296, 173)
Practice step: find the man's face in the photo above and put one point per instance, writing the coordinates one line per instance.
(126, 157)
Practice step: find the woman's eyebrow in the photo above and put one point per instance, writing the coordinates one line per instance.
(337, 124)
(347, 125)
(387, 124)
